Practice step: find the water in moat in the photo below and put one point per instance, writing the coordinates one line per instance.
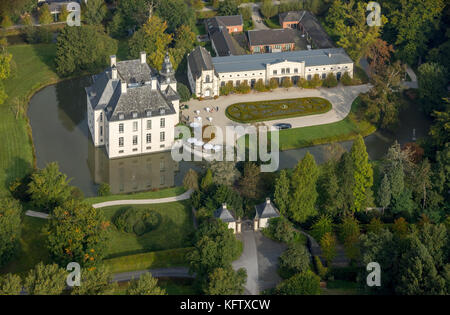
(57, 116)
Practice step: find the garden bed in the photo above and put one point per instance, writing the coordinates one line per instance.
(277, 109)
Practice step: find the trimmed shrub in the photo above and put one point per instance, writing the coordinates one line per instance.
(104, 189)
(139, 222)
(227, 88)
(260, 86)
(286, 83)
(346, 79)
(294, 260)
(320, 268)
(243, 88)
(183, 91)
(330, 81)
(273, 84)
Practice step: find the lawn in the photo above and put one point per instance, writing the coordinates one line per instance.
(32, 247)
(277, 109)
(174, 231)
(273, 22)
(32, 69)
(346, 129)
(163, 193)
(173, 286)
(340, 287)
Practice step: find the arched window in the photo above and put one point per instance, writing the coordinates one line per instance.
(207, 79)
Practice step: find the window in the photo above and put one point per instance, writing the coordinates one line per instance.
(101, 117)
(162, 123)
(238, 82)
(324, 75)
(121, 142)
(222, 84)
(309, 77)
(162, 136)
(283, 71)
(149, 124)
(162, 180)
(120, 128)
(101, 131)
(288, 70)
(208, 79)
(121, 116)
(149, 138)
(134, 115)
(162, 165)
(135, 126)
(135, 140)
(275, 72)
(295, 70)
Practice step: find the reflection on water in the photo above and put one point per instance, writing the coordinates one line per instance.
(60, 133)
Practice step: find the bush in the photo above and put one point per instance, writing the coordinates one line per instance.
(315, 82)
(104, 189)
(37, 35)
(294, 260)
(139, 222)
(183, 91)
(321, 269)
(260, 86)
(346, 79)
(273, 84)
(330, 81)
(280, 229)
(286, 83)
(227, 88)
(243, 88)
(305, 283)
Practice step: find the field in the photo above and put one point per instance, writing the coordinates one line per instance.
(173, 232)
(277, 109)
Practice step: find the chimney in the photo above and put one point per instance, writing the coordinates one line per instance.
(123, 87)
(267, 200)
(143, 57)
(224, 205)
(114, 73)
(113, 60)
(329, 55)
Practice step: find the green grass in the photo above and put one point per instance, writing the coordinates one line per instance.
(272, 22)
(341, 287)
(346, 129)
(173, 286)
(32, 69)
(174, 230)
(157, 259)
(199, 29)
(32, 248)
(277, 109)
(163, 193)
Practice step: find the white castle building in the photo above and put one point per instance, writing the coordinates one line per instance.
(132, 109)
(206, 74)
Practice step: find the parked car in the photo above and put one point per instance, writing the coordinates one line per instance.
(282, 126)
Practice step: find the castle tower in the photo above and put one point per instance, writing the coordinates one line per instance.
(167, 75)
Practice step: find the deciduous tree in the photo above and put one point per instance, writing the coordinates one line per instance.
(146, 285)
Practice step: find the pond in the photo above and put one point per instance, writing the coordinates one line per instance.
(57, 116)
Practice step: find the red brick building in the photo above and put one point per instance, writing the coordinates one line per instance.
(273, 40)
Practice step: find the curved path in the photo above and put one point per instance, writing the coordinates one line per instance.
(341, 98)
(184, 196)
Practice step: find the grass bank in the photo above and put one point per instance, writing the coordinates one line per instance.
(163, 193)
(151, 260)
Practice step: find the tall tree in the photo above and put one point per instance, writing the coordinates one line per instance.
(146, 285)
(224, 172)
(45, 280)
(10, 213)
(176, 13)
(226, 281)
(190, 180)
(304, 192)
(384, 193)
(95, 281)
(45, 17)
(250, 180)
(10, 284)
(432, 80)
(330, 200)
(379, 55)
(363, 175)
(349, 234)
(345, 172)
(94, 11)
(295, 259)
(153, 39)
(328, 247)
(282, 192)
(77, 232)
(184, 42)
(268, 9)
(228, 7)
(305, 283)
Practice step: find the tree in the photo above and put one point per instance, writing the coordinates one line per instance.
(260, 86)
(246, 13)
(400, 227)
(146, 285)
(224, 172)
(345, 171)
(62, 17)
(305, 283)
(379, 55)
(207, 181)
(10, 284)
(330, 81)
(153, 39)
(273, 83)
(294, 260)
(49, 187)
(95, 281)
(286, 82)
(304, 192)
(215, 247)
(375, 226)
(323, 225)
(435, 239)
(190, 180)
(348, 21)
(432, 80)
(249, 181)
(77, 232)
(104, 189)
(281, 229)
(328, 247)
(226, 281)
(384, 193)
(5, 68)
(45, 17)
(6, 22)
(10, 213)
(176, 13)
(349, 234)
(45, 280)
(363, 175)
(228, 7)
(184, 92)
(84, 48)
(282, 192)
(330, 200)
(268, 9)
(94, 12)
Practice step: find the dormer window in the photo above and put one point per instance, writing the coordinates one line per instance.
(149, 113)
(162, 111)
(121, 116)
(135, 114)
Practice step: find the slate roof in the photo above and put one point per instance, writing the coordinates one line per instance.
(315, 57)
(133, 71)
(315, 30)
(266, 210)
(199, 60)
(140, 100)
(271, 37)
(224, 214)
(291, 16)
(101, 90)
(224, 44)
(224, 21)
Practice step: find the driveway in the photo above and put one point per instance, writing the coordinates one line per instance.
(260, 259)
(340, 97)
